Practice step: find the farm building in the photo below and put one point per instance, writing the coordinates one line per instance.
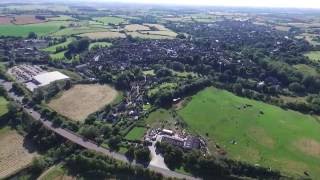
(44, 79)
(188, 143)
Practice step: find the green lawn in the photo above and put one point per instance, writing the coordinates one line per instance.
(149, 72)
(62, 18)
(58, 56)
(55, 172)
(306, 70)
(136, 133)
(52, 49)
(78, 30)
(3, 106)
(313, 55)
(23, 30)
(109, 19)
(163, 86)
(100, 44)
(256, 132)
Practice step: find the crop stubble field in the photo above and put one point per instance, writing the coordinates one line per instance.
(82, 100)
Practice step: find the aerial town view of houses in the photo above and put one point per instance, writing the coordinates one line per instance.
(98, 90)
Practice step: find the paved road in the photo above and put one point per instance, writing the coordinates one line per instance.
(80, 141)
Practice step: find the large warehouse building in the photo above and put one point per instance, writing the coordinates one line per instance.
(44, 79)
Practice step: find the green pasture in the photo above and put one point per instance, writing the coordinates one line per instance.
(52, 49)
(41, 29)
(306, 70)
(99, 44)
(313, 55)
(136, 133)
(3, 106)
(110, 20)
(252, 131)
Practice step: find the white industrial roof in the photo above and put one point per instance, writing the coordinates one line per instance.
(49, 77)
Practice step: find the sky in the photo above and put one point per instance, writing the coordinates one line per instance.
(246, 3)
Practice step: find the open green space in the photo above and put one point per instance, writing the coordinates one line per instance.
(99, 44)
(3, 106)
(52, 49)
(136, 133)
(23, 30)
(163, 86)
(110, 20)
(256, 132)
(61, 18)
(78, 30)
(306, 70)
(55, 172)
(313, 55)
(58, 56)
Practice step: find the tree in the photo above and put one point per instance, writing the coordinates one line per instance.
(114, 142)
(130, 153)
(163, 72)
(89, 131)
(39, 164)
(296, 87)
(142, 155)
(32, 35)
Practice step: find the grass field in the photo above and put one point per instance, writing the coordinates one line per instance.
(163, 86)
(13, 154)
(57, 172)
(23, 30)
(313, 55)
(82, 100)
(61, 18)
(136, 133)
(3, 106)
(52, 49)
(110, 20)
(161, 118)
(103, 35)
(256, 132)
(99, 44)
(306, 70)
(58, 56)
(78, 30)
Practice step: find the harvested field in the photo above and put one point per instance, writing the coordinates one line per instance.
(5, 20)
(21, 20)
(136, 27)
(159, 27)
(103, 35)
(13, 155)
(161, 33)
(148, 36)
(82, 100)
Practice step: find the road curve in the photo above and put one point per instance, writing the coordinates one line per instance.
(71, 136)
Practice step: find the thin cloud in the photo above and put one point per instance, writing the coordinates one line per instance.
(250, 3)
